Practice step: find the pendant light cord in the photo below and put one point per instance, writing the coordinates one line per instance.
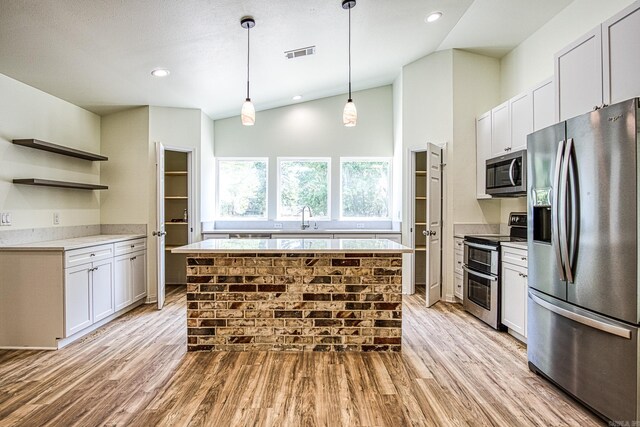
(349, 53)
(248, 47)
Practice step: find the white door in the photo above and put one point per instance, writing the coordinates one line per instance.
(160, 233)
(434, 223)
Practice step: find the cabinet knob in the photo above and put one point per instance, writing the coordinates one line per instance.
(133, 246)
(524, 258)
(424, 232)
(134, 258)
(92, 255)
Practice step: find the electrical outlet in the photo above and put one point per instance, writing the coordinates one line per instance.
(56, 218)
(277, 225)
(360, 225)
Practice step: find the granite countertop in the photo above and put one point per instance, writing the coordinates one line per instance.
(517, 245)
(74, 243)
(294, 246)
(307, 231)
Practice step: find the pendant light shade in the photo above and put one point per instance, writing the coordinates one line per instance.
(350, 113)
(248, 112)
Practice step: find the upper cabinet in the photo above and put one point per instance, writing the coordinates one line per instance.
(578, 69)
(544, 112)
(483, 152)
(600, 67)
(500, 130)
(621, 54)
(521, 113)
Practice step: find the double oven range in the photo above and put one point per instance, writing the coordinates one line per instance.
(482, 267)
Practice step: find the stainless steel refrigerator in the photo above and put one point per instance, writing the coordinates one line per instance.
(583, 258)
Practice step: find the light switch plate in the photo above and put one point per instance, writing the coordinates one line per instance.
(360, 225)
(277, 225)
(56, 218)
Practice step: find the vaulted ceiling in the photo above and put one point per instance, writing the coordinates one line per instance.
(98, 54)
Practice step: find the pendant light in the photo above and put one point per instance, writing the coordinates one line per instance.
(350, 114)
(248, 113)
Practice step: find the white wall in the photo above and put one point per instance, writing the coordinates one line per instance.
(312, 129)
(26, 112)
(532, 61)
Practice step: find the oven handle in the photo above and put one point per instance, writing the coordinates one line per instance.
(479, 246)
(475, 273)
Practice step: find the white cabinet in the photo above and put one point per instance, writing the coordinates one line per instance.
(130, 278)
(139, 275)
(77, 299)
(521, 114)
(483, 152)
(578, 76)
(102, 289)
(458, 273)
(621, 55)
(514, 291)
(544, 108)
(500, 130)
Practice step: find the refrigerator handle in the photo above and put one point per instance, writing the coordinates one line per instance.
(574, 211)
(564, 211)
(555, 210)
(513, 162)
(581, 318)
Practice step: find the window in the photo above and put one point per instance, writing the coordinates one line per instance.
(365, 188)
(304, 182)
(242, 188)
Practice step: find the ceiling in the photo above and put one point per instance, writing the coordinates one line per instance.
(98, 54)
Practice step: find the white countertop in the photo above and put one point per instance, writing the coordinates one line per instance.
(517, 245)
(294, 246)
(307, 231)
(74, 243)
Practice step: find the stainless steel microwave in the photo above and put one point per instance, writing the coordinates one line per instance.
(507, 175)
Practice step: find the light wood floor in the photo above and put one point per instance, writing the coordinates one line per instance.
(453, 370)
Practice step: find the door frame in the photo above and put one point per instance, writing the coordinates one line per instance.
(410, 260)
(193, 216)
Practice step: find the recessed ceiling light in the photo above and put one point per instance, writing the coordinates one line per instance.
(160, 72)
(433, 16)
(297, 98)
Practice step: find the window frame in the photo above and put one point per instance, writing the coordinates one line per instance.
(279, 160)
(367, 159)
(218, 216)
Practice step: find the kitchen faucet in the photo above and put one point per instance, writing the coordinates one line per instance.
(306, 225)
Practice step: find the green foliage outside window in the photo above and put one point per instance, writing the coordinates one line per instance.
(304, 183)
(365, 189)
(242, 188)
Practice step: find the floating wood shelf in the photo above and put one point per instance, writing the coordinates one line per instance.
(421, 223)
(59, 149)
(176, 197)
(420, 198)
(421, 172)
(176, 173)
(59, 184)
(176, 223)
(421, 248)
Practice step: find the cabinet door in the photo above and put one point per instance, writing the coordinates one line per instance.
(578, 76)
(621, 55)
(521, 112)
(544, 109)
(77, 299)
(483, 152)
(514, 298)
(102, 290)
(500, 130)
(139, 275)
(458, 278)
(122, 282)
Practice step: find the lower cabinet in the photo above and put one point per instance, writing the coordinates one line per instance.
(514, 296)
(102, 290)
(458, 273)
(130, 278)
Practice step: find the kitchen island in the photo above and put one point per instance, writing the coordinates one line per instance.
(294, 294)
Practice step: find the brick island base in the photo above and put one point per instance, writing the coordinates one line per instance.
(294, 301)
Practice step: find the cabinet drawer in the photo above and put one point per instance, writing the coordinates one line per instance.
(458, 278)
(90, 254)
(129, 246)
(514, 256)
(458, 260)
(458, 244)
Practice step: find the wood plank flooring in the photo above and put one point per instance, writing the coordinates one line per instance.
(453, 371)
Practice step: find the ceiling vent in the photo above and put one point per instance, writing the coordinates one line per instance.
(298, 53)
